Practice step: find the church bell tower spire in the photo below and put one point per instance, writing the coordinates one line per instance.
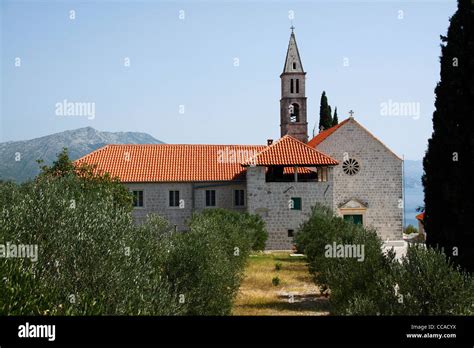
(293, 119)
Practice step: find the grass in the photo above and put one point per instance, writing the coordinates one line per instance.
(296, 293)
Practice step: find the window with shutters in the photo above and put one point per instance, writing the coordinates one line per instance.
(174, 198)
(210, 198)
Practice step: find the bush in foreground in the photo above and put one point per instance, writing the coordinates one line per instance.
(423, 283)
(92, 259)
(206, 264)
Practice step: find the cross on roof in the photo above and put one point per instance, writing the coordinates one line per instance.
(292, 28)
(351, 113)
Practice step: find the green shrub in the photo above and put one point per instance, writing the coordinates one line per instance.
(278, 266)
(410, 229)
(92, 259)
(251, 227)
(83, 266)
(344, 276)
(206, 264)
(430, 284)
(276, 281)
(423, 283)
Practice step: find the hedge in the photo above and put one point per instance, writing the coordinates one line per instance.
(92, 259)
(424, 282)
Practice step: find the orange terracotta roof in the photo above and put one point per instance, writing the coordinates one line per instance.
(172, 163)
(420, 216)
(318, 139)
(194, 163)
(288, 151)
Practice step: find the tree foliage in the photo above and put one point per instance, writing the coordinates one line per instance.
(325, 118)
(335, 120)
(93, 260)
(424, 282)
(448, 161)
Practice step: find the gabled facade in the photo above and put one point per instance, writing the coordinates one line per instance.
(368, 179)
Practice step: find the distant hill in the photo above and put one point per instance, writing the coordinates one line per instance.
(413, 190)
(79, 142)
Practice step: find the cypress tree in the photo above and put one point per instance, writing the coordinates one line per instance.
(447, 178)
(335, 120)
(325, 119)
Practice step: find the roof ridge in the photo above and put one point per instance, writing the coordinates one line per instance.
(269, 147)
(92, 153)
(327, 132)
(292, 139)
(244, 145)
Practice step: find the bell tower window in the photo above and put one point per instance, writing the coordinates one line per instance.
(294, 113)
(293, 104)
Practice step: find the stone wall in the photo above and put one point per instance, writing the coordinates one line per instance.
(156, 199)
(271, 200)
(299, 130)
(378, 183)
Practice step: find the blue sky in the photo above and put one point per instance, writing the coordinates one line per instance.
(391, 47)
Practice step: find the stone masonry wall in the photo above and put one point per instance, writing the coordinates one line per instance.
(156, 199)
(378, 183)
(271, 201)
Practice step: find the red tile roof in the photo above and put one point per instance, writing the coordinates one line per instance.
(172, 163)
(288, 151)
(420, 216)
(318, 139)
(188, 163)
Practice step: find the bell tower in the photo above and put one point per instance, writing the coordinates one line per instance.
(293, 119)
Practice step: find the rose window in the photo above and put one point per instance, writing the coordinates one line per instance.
(350, 166)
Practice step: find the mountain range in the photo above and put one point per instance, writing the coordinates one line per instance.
(18, 158)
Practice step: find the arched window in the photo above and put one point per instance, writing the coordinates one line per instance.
(294, 112)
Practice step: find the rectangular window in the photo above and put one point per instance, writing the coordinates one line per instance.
(291, 86)
(174, 198)
(239, 198)
(355, 218)
(137, 198)
(291, 233)
(322, 173)
(297, 85)
(296, 203)
(210, 198)
(294, 65)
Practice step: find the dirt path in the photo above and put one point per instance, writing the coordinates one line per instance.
(296, 293)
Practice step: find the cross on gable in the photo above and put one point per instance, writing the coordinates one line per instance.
(351, 113)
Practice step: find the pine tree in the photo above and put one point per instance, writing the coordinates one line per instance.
(448, 186)
(325, 119)
(335, 120)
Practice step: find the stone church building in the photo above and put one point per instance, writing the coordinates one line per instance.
(344, 167)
